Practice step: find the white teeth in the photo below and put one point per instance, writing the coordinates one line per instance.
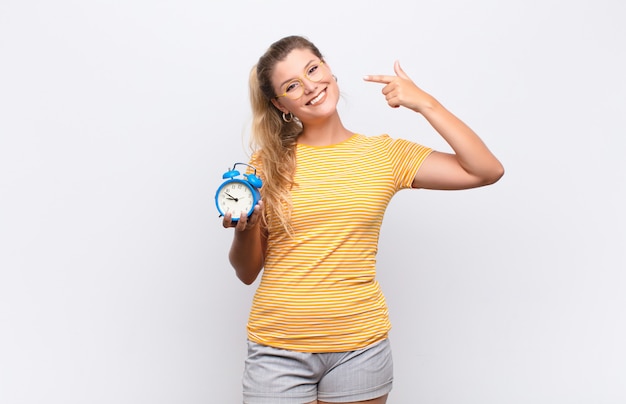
(319, 97)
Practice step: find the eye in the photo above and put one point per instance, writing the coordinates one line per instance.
(292, 86)
(312, 70)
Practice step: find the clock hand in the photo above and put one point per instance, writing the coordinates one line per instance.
(232, 198)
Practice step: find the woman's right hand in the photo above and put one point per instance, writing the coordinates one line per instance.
(245, 223)
(247, 252)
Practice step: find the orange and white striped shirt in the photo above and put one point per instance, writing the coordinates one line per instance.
(318, 291)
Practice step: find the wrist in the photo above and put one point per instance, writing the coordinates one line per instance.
(423, 103)
(427, 105)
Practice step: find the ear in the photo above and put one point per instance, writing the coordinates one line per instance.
(279, 106)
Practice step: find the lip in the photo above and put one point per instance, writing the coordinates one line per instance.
(317, 95)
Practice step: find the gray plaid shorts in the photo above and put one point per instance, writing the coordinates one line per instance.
(275, 375)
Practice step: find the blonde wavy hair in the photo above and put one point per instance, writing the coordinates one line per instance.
(273, 139)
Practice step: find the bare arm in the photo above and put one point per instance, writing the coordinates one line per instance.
(471, 165)
(247, 251)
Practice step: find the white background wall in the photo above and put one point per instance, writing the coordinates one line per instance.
(117, 119)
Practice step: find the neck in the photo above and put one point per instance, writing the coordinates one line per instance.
(326, 133)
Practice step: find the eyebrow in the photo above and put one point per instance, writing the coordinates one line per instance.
(291, 79)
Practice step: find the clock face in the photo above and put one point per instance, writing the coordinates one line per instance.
(235, 197)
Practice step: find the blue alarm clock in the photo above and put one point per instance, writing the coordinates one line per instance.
(239, 193)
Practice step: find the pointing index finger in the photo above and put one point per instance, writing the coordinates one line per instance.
(379, 78)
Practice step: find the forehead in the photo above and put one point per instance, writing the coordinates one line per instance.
(293, 64)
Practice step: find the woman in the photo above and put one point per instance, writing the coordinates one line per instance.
(318, 325)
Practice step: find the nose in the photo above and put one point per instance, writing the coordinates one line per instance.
(309, 86)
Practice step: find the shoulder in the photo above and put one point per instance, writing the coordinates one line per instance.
(388, 142)
(373, 140)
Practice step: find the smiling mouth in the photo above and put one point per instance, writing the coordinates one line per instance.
(318, 98)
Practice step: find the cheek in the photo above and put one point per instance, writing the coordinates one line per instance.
(334, 86)
(334, 91)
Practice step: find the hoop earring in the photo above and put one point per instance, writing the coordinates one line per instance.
(335, 77)
(287, 117)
